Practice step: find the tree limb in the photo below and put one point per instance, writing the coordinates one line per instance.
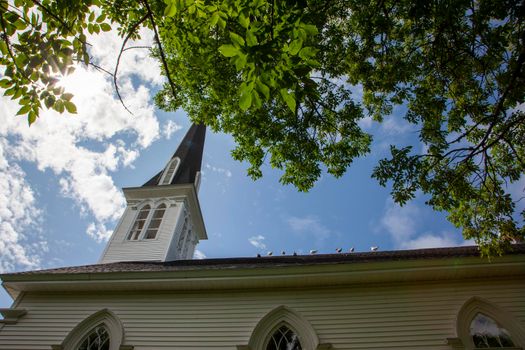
(162, 55)
(130, 33)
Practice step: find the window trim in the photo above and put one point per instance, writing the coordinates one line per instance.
(165, 172)
(283, 315)
(82, 329)
(502, 317)
(127, 238)
(153, 206)
(145, 229)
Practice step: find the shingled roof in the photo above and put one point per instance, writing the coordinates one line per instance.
(190, 154)
(273, 261)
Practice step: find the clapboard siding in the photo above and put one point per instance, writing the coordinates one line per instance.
(401, 316)
(120, 249)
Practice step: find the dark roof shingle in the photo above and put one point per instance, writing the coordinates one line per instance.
(273, 261)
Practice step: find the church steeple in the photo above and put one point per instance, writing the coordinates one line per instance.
(185, 165)
(163, 219)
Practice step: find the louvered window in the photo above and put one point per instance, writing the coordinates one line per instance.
(154, 223)
(169, 172)
(97, 339)
(284, 339)
(486, 333)
(139, 223)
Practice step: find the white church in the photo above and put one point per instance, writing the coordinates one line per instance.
(146, 292)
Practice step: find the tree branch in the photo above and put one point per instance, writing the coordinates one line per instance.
(130, 33)
(162, 55)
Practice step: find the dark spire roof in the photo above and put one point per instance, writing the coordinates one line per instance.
(190, 155)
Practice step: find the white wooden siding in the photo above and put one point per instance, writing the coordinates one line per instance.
(402, 316)
(120, 249)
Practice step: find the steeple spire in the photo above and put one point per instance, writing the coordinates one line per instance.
(185, 164)
(163, 219)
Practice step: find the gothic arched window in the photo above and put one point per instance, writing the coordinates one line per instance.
(283, 329)
(169, 172)
(484, 325)
(486, 333)
(154, 223)
(284, 339)
(139, 223)
(97, 339)
(100, 331)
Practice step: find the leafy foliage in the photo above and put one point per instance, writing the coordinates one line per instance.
(278, 75)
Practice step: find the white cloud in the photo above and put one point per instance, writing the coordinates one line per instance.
(19, 219)
(309, 224)
(219, 170)
(199, 255)
(403, 224)
(429, 240)
(81, 150)
(98, 232)
(393, 125)
(169, 128)
(257, 241)
(399, 221)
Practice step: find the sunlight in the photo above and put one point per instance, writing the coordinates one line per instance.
(81, 82)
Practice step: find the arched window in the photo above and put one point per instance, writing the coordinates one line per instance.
(283, 329)
(154, 223)
(486, 333)
(183, 234)
(284, 339)
(483, 325)
(100, 331)
(97, 339)
(169, 172)
(139, 223)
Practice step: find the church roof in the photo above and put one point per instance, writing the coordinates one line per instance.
(190, 154)
(272, 261)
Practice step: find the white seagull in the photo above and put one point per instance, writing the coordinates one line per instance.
(313, 251)
(374, 248)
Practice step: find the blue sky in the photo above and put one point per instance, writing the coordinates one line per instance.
(60, 182)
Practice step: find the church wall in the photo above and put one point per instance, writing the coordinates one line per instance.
(402, 316)
(120, 249)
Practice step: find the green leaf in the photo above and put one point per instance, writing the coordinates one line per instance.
(256, 99)
(240, 61)
(31, 117)
(221, 22)
(237, 39)
(228, 50)
(3, 48)
(5, 83)
(214, 19)
(246, 100)
(49, 101)
(307, 52)
(265, 90)
(170, 10)
(295, 46)
(101, 18)
(251, 39)
(24, 110)
(310, 29)
(105, 27)
(244, 21)
(70, 106)
(59, 106)
(289, 99)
